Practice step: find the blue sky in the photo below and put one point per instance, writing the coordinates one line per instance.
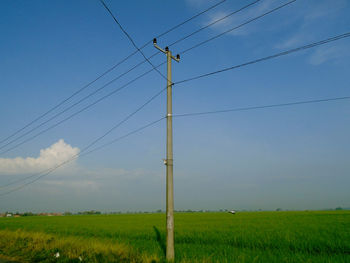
(292, 157)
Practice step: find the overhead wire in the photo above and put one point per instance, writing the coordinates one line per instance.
(130, 38)
(83, 152)
(77, 103)
(77, 112)
(246, 108)
(237, 27)
(104, 86)
(188, 20)
(47, 172)
(132, 113)
(322, 42)
(100, 137)
(107, 71)
(126, 118)
(215, 22)
(237, 109)
(262, 106)
(124, 136)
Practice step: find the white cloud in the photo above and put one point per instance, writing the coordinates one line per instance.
(73, 177)
(56, 154)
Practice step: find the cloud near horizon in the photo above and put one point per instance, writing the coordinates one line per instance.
(57, 153)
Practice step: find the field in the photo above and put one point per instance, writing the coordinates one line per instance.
(199, 237)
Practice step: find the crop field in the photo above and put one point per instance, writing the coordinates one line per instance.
(199, 237)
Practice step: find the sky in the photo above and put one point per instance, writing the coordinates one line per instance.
(294, 157)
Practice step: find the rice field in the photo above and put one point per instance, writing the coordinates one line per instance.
(313, 236)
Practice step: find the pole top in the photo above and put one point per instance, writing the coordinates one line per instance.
(165, 51)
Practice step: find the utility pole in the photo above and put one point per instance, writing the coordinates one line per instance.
(170, 255)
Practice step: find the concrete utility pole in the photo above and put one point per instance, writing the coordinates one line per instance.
(170, 255)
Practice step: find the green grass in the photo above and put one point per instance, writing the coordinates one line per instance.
(199, 237)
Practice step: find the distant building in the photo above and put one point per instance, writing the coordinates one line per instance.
(8, 215)
(232, 212)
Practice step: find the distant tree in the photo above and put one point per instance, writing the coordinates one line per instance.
(339, 208)
(67, 213)
(28, 214)
(279, 209)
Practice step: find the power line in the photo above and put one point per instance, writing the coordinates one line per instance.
(125, 119)
(105, 85)
(108, 71)
(322, 42)
(106, 133)
(77, 112)
(237, 27)
(201, 13)
(263, 106)
(75, 104)
(47, 172)
(124, 136)
(214, 22)
(94, 92)
(62, 102)
(131, 40)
